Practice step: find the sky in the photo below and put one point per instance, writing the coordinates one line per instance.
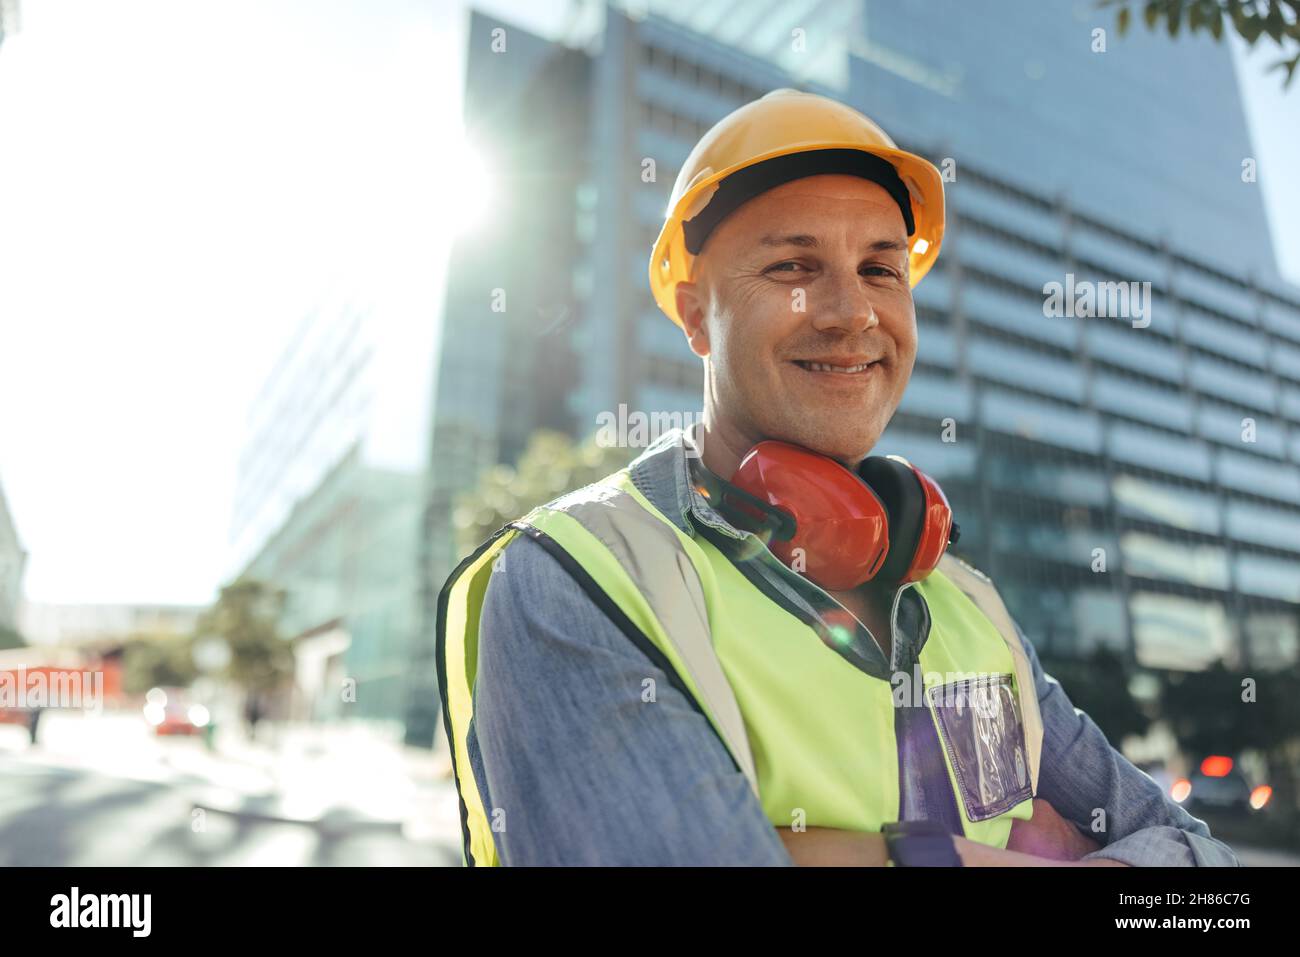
(179, 183)
(1273, 116)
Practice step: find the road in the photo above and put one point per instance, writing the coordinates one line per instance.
(104, 791)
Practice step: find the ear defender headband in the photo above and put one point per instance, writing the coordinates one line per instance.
(839, 528)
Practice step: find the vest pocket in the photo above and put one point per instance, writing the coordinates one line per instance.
(984, 736)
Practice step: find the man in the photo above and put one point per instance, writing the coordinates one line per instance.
(631, 676)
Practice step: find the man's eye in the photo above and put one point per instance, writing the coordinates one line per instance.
(878, 270)
(782, 267)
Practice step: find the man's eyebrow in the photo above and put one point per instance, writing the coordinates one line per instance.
(803, 239)
(810, 242)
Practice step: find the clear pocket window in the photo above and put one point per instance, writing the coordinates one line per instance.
(983, 733)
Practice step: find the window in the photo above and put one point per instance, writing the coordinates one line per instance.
(1134, 399)
(1099, 620)
(1019, 312)
(1074, 484)
(1237, 384)
(1273, 639)
(935, 344)
(1268, 576)
(1263, 524)
(1169, 504)
(938, 459)
(1152, 557)
(1026, 368)
(1215, 335)
(1136, 350)
(1040, 420)
(1283, 319)
(937, 396)
(1257, 476)
(1173, 632)
(1287, 359)
(1228, 427)
(1219, 294)
(1159, 451)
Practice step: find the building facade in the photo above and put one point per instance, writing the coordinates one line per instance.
(331, 488)
(73, 625)
(13, 561)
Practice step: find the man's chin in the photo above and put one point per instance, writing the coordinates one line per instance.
(850, 449)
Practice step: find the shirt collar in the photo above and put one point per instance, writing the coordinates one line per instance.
(662, 473)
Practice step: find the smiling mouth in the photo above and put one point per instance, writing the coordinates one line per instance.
(835, 369)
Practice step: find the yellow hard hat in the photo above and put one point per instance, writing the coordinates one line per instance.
(786, 123)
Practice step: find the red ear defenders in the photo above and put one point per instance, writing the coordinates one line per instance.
(888, 520)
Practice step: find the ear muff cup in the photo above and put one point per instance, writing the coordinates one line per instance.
(900, 492)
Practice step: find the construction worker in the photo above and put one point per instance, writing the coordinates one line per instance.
(752, 645)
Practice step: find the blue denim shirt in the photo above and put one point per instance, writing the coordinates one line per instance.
(580, 770)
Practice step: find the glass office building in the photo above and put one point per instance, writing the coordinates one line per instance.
(1164, 450)
(13, 560)
(330, 492)
(1129, 484)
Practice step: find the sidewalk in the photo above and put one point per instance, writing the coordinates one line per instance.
(337, 777)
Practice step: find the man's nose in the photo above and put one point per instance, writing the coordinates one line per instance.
(843, 303)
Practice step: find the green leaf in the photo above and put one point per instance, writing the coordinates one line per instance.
(1216, 22)
(1251, 28)
(1175, 13)
(1122, 21)
(1237, 13)
(1275, 23)
(1289, 66)
(1151, 13)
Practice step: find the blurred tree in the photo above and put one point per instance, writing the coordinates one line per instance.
(1278, 733)
(154, 661)
(1205, 711)
(1099, 686)
(550, 465)
(11, 638)
(245, 616)
(1210, 713)
(1278, 19)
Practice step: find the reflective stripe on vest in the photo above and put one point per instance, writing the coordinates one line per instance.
(814, 736)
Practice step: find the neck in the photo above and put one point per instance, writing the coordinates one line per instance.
(722, 445)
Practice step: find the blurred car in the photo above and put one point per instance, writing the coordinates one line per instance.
(1218, 786)
(172, 711)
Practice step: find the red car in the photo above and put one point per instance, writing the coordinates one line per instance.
(169, 711)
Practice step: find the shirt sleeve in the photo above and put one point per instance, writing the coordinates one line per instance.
(584, 751)
(1080, 774)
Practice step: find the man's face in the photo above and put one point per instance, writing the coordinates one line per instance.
(802, 304)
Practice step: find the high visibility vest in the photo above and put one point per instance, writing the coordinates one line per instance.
(814, 735)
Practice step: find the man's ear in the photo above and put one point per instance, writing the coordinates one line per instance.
(693, 308)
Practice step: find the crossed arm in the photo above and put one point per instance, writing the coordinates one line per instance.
(588, 771)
